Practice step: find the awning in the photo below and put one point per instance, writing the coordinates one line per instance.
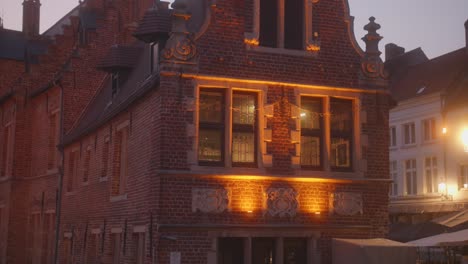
(459, 238)
(370, 251)
(452, 219)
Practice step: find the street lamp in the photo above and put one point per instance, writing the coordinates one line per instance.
(464, 137)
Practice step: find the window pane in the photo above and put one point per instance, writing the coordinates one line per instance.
(293, 23)
(311, 113)
(243, 147)
(263, 251)
(341, 115)
(210, 145)
(340, 153)
(243, 109)
(310, 151)
(211, 107)
(231, 251)
(268, 23)
(295, 251)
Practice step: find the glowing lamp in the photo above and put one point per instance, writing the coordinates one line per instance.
(444, 130)
(442, 187)
(465, 185)
(464, 138)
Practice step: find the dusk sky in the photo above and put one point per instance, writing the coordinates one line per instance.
(435, 25)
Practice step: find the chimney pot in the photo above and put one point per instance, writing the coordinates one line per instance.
(31, 17)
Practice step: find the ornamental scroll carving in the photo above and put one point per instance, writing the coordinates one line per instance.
(281, 202)
(210, 200)
(184, 50)
(346, 203)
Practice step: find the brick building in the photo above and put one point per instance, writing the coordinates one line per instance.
(213, 132)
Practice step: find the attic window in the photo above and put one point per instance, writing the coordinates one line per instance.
(421, 90)
(115, 83)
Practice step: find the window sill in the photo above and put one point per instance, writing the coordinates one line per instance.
(283, 51)
(102, 179)
(408, 146)
(118, 198)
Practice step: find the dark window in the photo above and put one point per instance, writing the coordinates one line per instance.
(295, 251)
(393, 136)
(293, 24)
(211, 127)
(231, 251)
(263, 251)
(268, 23)
(154, 58)
(244, 129)
(311, 132)
(341, 122)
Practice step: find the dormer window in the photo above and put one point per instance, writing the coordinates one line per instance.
(154, 58)
(284, 24)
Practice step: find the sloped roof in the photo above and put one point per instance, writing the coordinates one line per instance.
(14, 46)
(429, 77)
(120, 57)
(105, 106)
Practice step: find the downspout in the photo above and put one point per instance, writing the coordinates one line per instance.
(58, 200)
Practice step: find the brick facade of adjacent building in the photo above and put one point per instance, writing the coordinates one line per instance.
(130, 182)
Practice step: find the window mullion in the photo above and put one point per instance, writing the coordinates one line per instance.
(327, 135)
(228, 130)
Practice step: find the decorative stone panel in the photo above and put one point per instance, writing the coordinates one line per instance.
(346, 203)
(281, 202)
(210, 200)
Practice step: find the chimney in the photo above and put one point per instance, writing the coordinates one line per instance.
(466, 35)
(31, 18)
(392, 50)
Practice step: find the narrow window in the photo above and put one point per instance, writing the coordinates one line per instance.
(140, 248)
(48, 238)
(211, 127)
(53, 141)
(463, 178)
(269, 23)
(86, 165)
(244, 129)
(105, 157)
(67, 250)
(120, 162)
(295, 251)
(431, 174)
(116, 248)
(429, 127)
(264, 250)
(154, 58)
(231, 250)
(311, 133)
(341, 120)
(410, 133)
(293, 24)
(393, 138)
(410, 175)
(72, 170)
(394, 178)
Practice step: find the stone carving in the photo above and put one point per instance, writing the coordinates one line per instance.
(346, 203)
(281, 202)
(372, 66)
(184, 50)
(210, 200)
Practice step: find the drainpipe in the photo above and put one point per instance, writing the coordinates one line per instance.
(58, 200)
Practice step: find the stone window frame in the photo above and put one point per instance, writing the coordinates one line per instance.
(394, 175)
(414, 177)
(313, 250)
(311, 46)
(192, 129)
(359, 140)
(116, 244)
(433, 169)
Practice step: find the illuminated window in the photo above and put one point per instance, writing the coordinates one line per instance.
(341, 129)
(411, 177)
(394, 178)
(429, 129)
(409, 132)
(393, 137)
(311, 132)
(213, 125)
(432, 183)
(463, 177)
